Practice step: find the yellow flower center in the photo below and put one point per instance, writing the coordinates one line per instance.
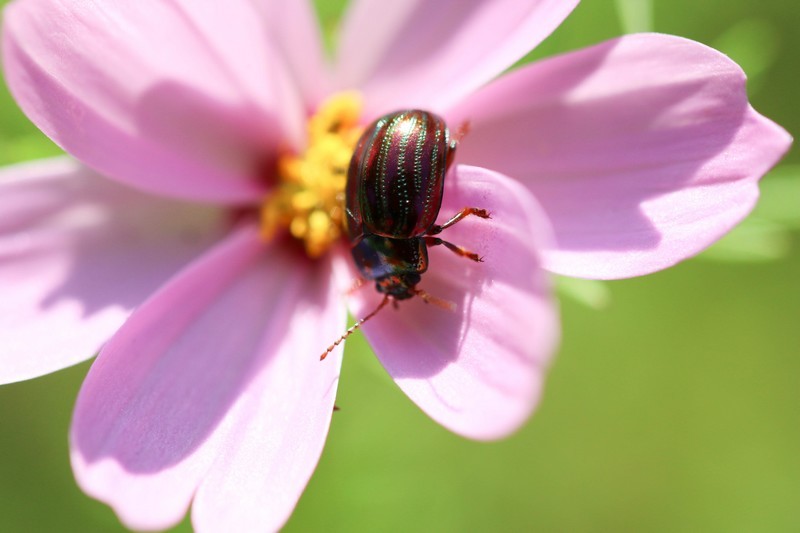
(309, 198)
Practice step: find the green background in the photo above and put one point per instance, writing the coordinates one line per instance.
(673, 408)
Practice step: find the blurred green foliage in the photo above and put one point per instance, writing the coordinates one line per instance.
(675, 408)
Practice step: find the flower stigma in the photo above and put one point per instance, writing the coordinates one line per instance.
(308, 200)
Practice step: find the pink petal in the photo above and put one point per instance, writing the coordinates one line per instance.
(642, 150)
(222, 358)
(77, 254)
(294, 28)
(418, 53)
(181, 97)
(477, 370)
(282, 423)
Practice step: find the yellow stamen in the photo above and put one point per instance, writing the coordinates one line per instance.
(309, 199)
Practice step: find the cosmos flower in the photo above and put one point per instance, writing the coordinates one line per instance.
(196, 234)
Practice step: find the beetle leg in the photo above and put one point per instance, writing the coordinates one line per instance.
(462, 131)
(430, 299)
(467, 211)
(357, 239)
(463, 252)
(357, 284)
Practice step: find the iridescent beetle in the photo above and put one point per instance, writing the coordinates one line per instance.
(394, 192)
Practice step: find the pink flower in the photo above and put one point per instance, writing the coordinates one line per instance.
(641, 152)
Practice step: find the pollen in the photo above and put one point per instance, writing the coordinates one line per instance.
(308, 200)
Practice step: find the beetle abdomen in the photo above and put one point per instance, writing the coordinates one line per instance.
(396, 175)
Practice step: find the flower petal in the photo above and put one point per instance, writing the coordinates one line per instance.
(387, 48)
(477, 370)
(642, 150)
(77, 254)
(296, 33)
(214, 357)
(181, 97)
(282, 423)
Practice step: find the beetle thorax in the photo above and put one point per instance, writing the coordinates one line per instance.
(399, 286)
(309, 198)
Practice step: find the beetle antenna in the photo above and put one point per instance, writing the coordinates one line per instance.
(430, 299)
(354, 327)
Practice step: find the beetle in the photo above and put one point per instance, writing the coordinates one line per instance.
(395, 184)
